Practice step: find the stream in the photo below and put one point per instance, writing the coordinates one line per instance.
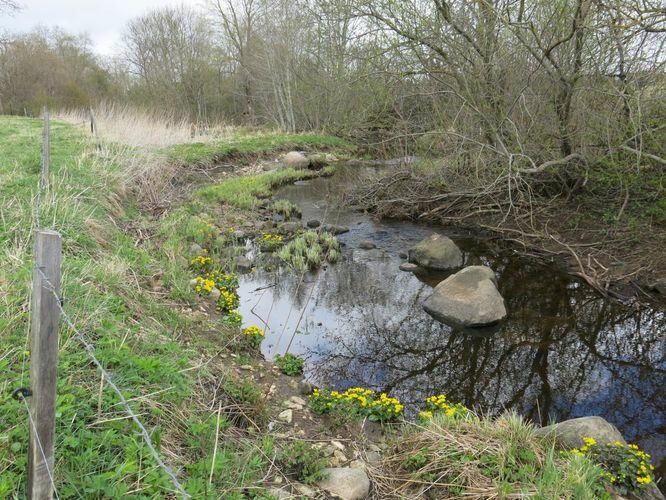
(563, 351)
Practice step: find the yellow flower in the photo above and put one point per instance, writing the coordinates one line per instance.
(589, 441)
(425, 414)
(254, 330)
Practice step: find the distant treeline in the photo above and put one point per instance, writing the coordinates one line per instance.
(512, 81)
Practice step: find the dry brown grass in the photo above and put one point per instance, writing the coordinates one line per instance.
(455, 459)
(129, 126)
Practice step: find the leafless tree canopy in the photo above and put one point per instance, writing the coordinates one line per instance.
(528, 85)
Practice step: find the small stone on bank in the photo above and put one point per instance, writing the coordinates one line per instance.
(345, 482)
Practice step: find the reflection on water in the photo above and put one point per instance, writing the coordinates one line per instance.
(562, 352)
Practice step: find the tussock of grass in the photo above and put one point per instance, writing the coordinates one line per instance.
(482, 458)
(285, 208)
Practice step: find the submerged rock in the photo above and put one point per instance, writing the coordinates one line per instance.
(367, 245)
(312, 224)
(468, 298)
(296, 159)
(436, 252)
(242, 264)
(408, 267)
(335, 229)
(346, 483)
(290, 227)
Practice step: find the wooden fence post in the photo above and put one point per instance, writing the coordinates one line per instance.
(44, 362)
(45, 151)
(93, 123)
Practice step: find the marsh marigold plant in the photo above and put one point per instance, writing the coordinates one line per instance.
(363, 402)
(626, 467)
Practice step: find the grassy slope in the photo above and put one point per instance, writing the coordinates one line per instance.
(127, 293)
(107, 285)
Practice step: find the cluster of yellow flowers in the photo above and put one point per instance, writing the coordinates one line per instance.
(254, 330)
(203, 285)
(228, 301)
(626, 466)
(201, 261)
(380, 408)
(254, 334)
(270, 241)
(438, 404)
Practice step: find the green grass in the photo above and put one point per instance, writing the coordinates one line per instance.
(108, 281)
(200, 152)
(244, 192)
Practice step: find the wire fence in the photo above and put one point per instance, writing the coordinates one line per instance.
(88, 346)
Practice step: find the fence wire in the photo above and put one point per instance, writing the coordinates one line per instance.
(41, 448)
(90, 349)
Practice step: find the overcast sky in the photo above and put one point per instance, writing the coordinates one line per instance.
(103, 20)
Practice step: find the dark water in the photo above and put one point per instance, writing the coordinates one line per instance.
(563, 351)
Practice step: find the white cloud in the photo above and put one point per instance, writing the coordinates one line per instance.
(103, 21)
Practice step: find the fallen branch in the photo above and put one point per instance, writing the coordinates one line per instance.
(551, 163)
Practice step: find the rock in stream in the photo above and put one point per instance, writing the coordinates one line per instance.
(468, 298)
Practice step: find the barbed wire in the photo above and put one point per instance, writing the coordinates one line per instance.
(89, 348)
(41, 448)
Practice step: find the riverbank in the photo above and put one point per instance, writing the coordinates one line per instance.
(224, 419)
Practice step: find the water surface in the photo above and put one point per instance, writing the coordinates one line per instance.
(562, 352)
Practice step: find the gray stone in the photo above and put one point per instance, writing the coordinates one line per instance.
(242, 264)
(570, 433)
(468, 298)
(239, 235)
(312, 224)
(345, 482)
(408, 267)
(402, 254)
(373, 457)
(335, 229)
(295, 159)
(436, 252)
(297, 400)
(286, 416)
(289, 227)
(305, 490)
(291, 405)
(367, 245)
(279, 494)
(305, 388)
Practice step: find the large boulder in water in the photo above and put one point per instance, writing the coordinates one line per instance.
(296, 159)
(436, 252)
(468, 298)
